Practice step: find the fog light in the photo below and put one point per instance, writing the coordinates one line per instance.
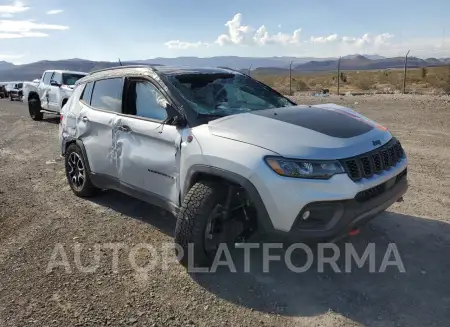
(306, 215)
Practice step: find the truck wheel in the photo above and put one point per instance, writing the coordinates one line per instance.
(199, 223)
(34, 108)
(77, 174)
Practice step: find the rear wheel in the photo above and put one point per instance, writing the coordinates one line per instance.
(77, 174)
(34, 108)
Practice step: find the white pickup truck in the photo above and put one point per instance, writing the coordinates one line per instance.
(51, 94)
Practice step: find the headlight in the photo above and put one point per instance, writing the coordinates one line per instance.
(315, 169)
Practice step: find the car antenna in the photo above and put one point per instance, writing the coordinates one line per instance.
(120, 63)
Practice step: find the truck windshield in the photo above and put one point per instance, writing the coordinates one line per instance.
(222, 94)
(71, 79)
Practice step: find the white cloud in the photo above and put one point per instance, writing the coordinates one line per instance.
(9, 56)
(365, 40)
(54, 11)
(239, 34)
(369, 40)
(15, 7)
(325, 39)
(176, 44)
(12, 29)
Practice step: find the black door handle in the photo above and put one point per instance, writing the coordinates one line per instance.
(124, 128)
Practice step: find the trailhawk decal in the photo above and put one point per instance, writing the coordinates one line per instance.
(347, 111)
(328, 121)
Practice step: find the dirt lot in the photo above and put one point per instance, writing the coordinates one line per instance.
(38, 211)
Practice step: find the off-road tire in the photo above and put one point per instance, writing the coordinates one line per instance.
(34, 108)
(88, 189)
(192, 221)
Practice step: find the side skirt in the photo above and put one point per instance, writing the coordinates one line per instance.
(107, 182)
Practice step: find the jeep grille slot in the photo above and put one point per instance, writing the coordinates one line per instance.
(374, 162)
(378, 190)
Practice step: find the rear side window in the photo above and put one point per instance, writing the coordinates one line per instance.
(87, 93)
(47, 77)
(57, 78)
(107, 94)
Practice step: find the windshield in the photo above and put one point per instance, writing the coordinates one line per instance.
(226, 93)
(20, 85)
(71, 79)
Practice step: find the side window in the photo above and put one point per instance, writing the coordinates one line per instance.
(47, 77)
(57, 77)
(87, 93)
(150, 103)
(107, 94)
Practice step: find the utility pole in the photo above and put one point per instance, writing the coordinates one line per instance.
(250, 70)
(404, 74)
(120, 63)
(339, 75)
(290, 78)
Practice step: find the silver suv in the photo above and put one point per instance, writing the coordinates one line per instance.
(228, 155)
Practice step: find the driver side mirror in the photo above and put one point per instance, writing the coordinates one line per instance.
(178, 121)
(54, 83)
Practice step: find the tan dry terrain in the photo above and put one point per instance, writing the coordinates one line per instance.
(38, 210)
(430, 80)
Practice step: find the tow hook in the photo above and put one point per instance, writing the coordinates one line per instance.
(400, 199)
(353, 232)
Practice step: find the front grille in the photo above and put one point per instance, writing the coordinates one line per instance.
(374, 162)
(375, 191)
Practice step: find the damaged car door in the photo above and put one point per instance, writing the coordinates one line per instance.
(148, 146)
(97, 125)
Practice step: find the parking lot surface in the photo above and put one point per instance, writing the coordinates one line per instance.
(39, 213)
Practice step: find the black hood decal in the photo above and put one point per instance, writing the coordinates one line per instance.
(329, 122)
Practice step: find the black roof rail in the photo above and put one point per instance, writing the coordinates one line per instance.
(235, 70)
(123, 67)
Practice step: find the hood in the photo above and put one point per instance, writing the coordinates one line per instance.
(325, 131)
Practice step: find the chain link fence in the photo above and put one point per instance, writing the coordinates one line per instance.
(409, 73)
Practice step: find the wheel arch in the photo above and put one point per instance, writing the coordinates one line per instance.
(33, 95)
(71, 140)
(198, 173)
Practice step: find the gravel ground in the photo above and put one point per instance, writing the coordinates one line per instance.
(38, 211)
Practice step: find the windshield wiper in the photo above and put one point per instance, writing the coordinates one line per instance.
(210, 114)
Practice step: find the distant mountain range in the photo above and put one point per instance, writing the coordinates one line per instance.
(269, 65)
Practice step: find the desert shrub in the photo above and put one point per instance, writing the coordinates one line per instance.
(301, 86)
(445, 84)
(343, 77)
(423, 72)
(364, 84)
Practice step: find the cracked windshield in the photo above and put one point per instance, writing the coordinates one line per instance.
(226, 94)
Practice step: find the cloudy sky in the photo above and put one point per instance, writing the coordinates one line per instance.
(32, 30)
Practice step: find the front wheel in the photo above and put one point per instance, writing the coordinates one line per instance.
(34, 108)
(77, 174)
(200, 223)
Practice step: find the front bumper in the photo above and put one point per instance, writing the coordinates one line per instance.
(331, 220)
(15, 95)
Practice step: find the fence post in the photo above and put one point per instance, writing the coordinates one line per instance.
(290, 78)
(404, 74)
(339, 75)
